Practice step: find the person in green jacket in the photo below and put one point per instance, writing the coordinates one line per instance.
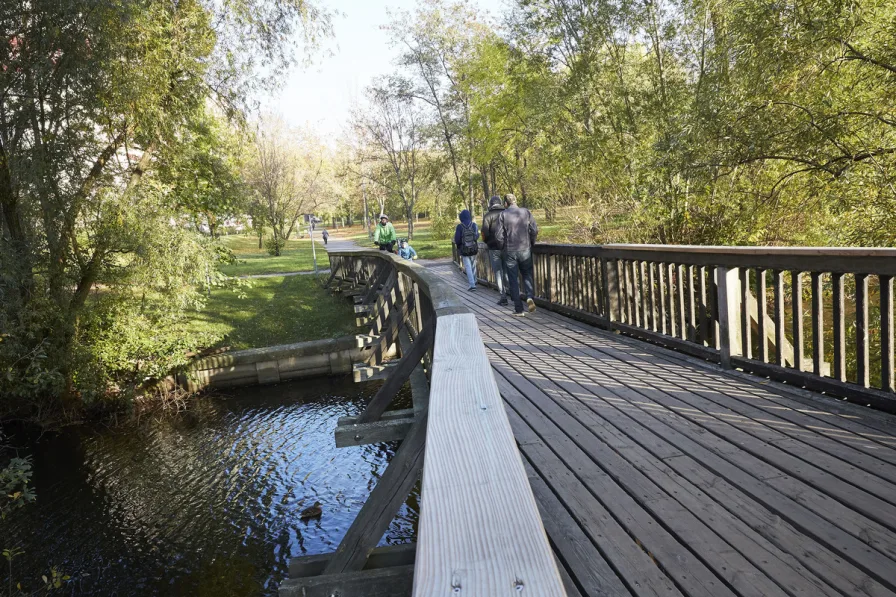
(384, 236)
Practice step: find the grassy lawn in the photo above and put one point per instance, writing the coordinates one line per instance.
(296, 256)
(278, 310)
(429, 248)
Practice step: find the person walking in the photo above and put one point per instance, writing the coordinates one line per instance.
(466, 237)
(516, 230)
(384, 236)
(326, 236)
(489, 237)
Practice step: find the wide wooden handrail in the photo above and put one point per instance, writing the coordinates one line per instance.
(714, 302)
(480, 532)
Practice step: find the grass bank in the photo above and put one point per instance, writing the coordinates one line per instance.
(295, 257)
(277, 310)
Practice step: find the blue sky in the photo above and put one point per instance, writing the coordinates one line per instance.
(321, 95)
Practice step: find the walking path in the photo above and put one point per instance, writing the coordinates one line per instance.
(659, 474)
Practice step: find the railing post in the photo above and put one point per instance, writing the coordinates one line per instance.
(729, 313)
(610, 271)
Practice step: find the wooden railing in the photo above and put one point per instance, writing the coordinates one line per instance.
(819, 318)
(480, 532)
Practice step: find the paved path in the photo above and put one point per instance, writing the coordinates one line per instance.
(658, 474)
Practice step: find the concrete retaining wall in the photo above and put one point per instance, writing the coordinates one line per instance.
(273, 364)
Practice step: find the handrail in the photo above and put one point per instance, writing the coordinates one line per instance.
(480, 531)
(702, 300)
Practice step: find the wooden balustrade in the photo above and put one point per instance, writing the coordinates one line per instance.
(480, 531)
(820, 318)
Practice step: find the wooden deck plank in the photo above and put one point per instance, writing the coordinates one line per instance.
(575, 550)
(631, 562)
(779, 565)
(686, 569)
(861, 528)
(783, 569)
(781, 509)
(814, 556)
(812, 460)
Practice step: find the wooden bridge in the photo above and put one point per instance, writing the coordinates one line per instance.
(664, 424)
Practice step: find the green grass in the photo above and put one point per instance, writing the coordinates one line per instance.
(429, 248)
(295, 257)
(279, 310)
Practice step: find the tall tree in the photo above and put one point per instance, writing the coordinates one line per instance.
(93, 98)
(391, 139)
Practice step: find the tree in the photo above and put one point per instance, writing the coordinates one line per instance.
(94, 98)
(435, 43)
(288, 177)
(391, 138)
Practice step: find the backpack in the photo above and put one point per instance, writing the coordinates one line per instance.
(469, 245)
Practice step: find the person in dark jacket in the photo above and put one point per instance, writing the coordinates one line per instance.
(489, 223)
(517, 231)
(466, 237)
(326, 236)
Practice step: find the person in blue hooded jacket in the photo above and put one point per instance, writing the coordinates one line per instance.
(406, 251)
(466, 237)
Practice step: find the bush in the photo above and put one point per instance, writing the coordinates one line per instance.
(442, 227)
(274, 245)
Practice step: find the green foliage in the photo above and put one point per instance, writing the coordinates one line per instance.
(118, 141)
(14, 489)
(442, 227)
(274, 245)
(679, 122)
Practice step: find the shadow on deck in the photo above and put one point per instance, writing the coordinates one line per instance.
(659, 474)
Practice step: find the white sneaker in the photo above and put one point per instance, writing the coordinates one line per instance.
(531, 304)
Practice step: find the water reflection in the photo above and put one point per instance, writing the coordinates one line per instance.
(206, 504)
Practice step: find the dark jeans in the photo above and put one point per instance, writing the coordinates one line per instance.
(516, 263)
(389, 246)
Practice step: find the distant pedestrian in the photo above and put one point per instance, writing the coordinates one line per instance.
(384, 236)
(466, 237)
(326, 236)
(406, 251)
(489, 223)
(517, 231)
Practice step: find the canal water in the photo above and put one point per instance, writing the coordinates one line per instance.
(204, 503)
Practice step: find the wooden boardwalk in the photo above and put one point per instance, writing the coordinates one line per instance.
(659, 474)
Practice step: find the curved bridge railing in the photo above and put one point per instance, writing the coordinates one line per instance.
(480, 532)
(819, 318)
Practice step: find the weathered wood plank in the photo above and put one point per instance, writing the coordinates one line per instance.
(863, 375)
(572, 545)
(380, 557)
(729, 320)
(839, 299)
(382, 582)
(887, 383)
(796, 296)
(778, 277)
(744, 322)
(761, 314)
(398, 376)
(503, 545)
(817, 324)
(390, 492)
(360, 434)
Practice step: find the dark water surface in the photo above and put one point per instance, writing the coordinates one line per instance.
(206, 503)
